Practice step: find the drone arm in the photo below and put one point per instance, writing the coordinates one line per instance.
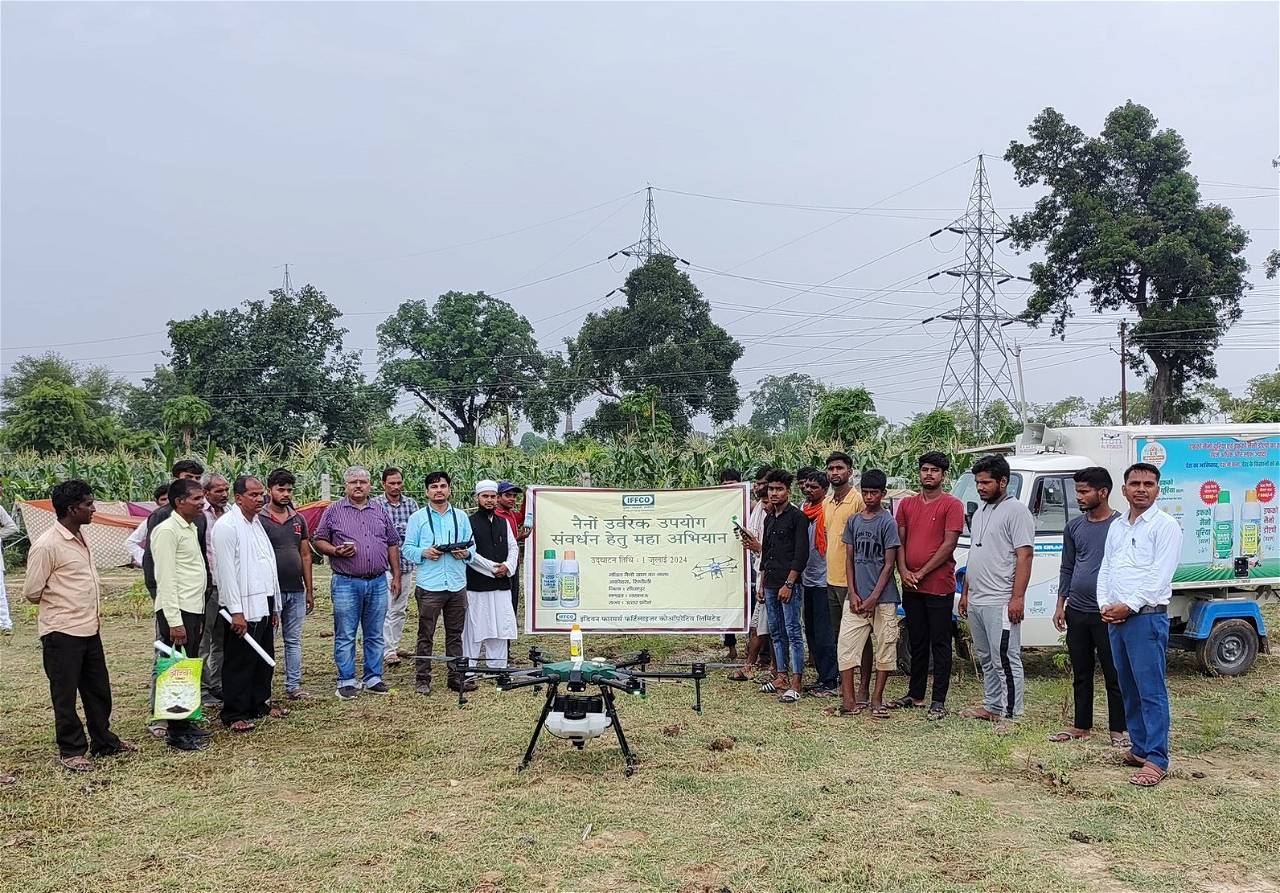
(526, 681)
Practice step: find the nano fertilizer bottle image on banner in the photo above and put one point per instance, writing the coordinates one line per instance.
(569, 580)
(1251, 526)
(549, 595)
(1224, 529)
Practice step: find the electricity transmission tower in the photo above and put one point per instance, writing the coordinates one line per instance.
(978, 365)
(650, 243)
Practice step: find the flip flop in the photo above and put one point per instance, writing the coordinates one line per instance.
(739, 676)
(839, 710)
(861, 707)
(76, 764)
(903, 703)
(1148, 776)
(1068, 735)
(880, 712)
(241, 726)
(1122, 741)
(280, 712)
(978, 713)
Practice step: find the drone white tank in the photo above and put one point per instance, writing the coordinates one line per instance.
(592, 725)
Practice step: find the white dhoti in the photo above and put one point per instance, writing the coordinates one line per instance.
(490, 624)
(6, 622)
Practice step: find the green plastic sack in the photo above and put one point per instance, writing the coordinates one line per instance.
(178, 686)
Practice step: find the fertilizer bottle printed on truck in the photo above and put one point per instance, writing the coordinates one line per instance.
(1251, 527)
(1224, 530)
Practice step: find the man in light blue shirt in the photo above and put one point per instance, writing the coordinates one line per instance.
(1135, 583)
(441, 577)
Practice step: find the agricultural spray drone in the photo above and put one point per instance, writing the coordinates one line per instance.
(571, 711)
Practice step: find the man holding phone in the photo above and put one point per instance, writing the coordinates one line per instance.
(363, 544)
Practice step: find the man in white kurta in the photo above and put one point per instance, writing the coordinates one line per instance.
(491, 621)
(249, 591)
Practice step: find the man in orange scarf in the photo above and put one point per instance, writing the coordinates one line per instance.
(817, 619)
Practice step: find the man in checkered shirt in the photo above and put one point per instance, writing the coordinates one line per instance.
(399, 507)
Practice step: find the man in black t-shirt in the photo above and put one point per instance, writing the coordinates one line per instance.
(288, 533)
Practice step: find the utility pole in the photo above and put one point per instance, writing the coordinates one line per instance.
(1022, 390)
(978, 364)
(1124, 386)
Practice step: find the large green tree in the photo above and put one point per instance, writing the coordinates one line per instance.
(662, 338)
(50, 405)
(53, 416)
(468, 356)
(1123, 217)
(784, 402)
(273, 371)
(846, 414)
(102, 393)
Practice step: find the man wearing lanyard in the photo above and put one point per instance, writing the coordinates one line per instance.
(995, 590)
(1135, 583)
(442, 577)
(363, 544)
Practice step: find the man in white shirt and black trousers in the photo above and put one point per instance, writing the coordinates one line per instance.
(1135, 583)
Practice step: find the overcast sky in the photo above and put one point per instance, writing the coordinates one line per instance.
(160, 159)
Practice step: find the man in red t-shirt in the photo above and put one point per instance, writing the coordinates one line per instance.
(929, 525)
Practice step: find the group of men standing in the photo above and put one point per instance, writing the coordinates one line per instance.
(829, 570)
(228, 563)
(461, 570)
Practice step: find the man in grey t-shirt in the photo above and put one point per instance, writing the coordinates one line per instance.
(1002, 538)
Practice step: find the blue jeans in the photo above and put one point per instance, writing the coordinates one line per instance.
(1138, 648)
(360, 603)
(294, 609)
(786, 629)
(822, 638)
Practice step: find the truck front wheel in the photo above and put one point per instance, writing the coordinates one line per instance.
(1230, 649)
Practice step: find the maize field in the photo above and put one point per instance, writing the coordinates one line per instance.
(634, 462)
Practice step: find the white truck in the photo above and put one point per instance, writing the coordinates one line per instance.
(1219, 483)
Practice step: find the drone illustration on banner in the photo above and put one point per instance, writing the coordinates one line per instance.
(714, 567)
(572, 711)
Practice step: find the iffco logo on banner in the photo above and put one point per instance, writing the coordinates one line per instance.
(638, 500)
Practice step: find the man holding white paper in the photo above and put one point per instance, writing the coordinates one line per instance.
(249, 591)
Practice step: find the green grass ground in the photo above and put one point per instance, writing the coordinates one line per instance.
(408, 793)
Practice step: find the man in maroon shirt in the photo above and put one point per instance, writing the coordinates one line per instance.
(362, 544)
(929, 525)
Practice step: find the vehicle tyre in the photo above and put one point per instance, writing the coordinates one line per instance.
(1230, 649)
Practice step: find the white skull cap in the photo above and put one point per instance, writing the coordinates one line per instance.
(486, 486)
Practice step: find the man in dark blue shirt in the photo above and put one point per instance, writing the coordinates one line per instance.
(1083, 542)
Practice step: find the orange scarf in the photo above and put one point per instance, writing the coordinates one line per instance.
(815, 514)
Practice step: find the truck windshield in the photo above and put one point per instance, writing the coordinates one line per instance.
(966, 490)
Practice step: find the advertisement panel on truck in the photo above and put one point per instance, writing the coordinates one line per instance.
(1222, 491)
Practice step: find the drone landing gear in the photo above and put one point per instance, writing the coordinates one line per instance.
(537, 729)
(617, 728)
(610, 711)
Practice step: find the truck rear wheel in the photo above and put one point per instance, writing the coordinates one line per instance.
(1230, 649)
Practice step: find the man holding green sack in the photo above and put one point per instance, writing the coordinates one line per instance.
(178, 687)
(62, 580)
(181, 581)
